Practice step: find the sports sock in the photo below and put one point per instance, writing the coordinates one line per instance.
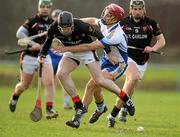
(115, 111)
(124, 96)
(100, 106)
(15, 96)
(49, 105)
(38, 103)
(77, 102)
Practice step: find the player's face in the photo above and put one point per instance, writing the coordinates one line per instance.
(137, 12)
(44, 10)
(108, 18)
(66, 31)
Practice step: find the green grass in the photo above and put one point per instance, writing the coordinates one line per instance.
(157, 112)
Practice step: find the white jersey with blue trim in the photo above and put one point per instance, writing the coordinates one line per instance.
(116, 39)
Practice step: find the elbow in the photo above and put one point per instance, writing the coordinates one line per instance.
(18, 35)
(163, 42)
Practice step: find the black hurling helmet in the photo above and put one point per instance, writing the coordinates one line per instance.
(65, 19)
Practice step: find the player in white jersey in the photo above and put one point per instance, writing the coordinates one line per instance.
(113, 64)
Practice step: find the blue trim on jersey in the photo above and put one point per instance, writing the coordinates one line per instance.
(117, 70)
(124, 55)
(125, 37)
(114, 27)
(104, 43)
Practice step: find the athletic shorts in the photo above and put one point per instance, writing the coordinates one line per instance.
(141, 68)
(116, 70)
(82, 57)
(55, 59)
(30, 64)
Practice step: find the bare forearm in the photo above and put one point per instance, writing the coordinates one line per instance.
(90, 20)
(78, 48)
(160, 43)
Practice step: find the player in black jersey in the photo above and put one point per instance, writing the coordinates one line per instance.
(72, 32)
(29, 64)
(139, 29)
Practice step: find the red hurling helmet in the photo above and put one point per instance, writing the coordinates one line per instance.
(115, 10)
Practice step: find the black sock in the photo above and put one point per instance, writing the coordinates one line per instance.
(49, 107)
(15, 97)
(78, 105)
(115, 111)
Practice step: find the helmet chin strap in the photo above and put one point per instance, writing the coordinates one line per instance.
(104, 22)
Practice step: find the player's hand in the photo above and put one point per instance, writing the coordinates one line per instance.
(148, 49)
(61, 50)
(35, 46)
(112, 58)
(41, 59)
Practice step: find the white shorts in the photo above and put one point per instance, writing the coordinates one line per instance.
(86, 57)
(30, 64)
(141, 68)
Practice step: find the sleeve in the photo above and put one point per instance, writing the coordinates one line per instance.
(112, 38)
(48, 42)
(156, 28)
(28, 23)
(90, 30)
(87, 29)
(22, 32)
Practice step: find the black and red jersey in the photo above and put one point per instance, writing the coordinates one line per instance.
(81, 33)
(139, 35)
(36, 25)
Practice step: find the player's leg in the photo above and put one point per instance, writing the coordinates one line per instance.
(110, 85)
(67, 65)
(26, 76)
(130, 73)
(134, 75)
(98, 96)
(55, 59)
(48, 82)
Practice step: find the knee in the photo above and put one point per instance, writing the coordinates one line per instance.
(23, 86)
(91, 84)
(134, 78)
(49, 83)
(61, 75)
(99, 81)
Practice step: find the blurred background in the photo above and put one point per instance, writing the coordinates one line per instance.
(163, 72)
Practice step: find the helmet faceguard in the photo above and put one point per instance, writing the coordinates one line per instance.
(45, 2)
(137, 3)
(114, 12)
(65, 22)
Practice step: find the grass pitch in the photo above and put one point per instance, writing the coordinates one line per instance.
(158, 112)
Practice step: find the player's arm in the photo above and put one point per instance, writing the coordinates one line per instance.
(47, 44)
(23, 32)
(90, 30)
(160, 40)
(91, 20)
(103, 43)
(82, 47)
